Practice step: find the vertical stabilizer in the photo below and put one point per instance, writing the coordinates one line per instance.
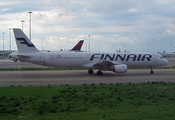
(78, 46)
(23, 43)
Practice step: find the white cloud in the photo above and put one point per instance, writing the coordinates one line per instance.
(5, 9)
(133, 10)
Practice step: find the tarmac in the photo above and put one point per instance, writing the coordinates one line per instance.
(79, 77)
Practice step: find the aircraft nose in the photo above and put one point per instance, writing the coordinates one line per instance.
(165, 61)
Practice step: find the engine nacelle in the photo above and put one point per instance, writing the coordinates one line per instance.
(119, 68)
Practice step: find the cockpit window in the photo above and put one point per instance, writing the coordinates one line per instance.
(161, 57)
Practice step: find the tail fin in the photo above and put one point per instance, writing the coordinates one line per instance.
(23, 43)
(78, 46)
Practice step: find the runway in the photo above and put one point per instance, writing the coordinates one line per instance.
(79, 77)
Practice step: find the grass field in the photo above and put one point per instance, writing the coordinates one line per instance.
(143, 101)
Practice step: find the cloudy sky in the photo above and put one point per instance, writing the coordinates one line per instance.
(131, 25)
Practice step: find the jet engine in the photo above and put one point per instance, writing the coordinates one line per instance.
(119, 68)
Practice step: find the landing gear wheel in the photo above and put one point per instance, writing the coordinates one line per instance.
(99, 73)
(90, 71)
(152, 72)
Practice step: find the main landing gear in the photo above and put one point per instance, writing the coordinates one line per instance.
(99, 73)
(151, 72)
(90, 71)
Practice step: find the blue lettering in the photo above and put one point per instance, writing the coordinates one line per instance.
(108, 56)
(115, 57)
(139, 57)
(147, 56)
(131, 56)
(93, 56)
(54, 57)
(102, 56)
(121, 58)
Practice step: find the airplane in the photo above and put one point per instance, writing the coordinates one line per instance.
(4, 55)
(116, 62)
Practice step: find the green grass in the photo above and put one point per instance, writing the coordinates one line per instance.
(84, 102)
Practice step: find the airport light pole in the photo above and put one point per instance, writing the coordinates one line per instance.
(30, 24)
(3, 41)
(86, 45)
(42, 44)
(22, 21)
(89, 43)
(10, 39)
(99, 47)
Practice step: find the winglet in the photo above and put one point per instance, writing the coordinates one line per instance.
(23, 43)
(78, 46)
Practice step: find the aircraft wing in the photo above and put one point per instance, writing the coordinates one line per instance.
(101, 64)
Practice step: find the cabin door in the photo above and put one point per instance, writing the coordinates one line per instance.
(155, 58)
(42, 58)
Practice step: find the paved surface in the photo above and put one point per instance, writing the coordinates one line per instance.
(78, 77)
(11, 64)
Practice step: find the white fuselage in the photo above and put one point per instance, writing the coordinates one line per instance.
(80, 59)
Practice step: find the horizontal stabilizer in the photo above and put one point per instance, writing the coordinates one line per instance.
(23, 56)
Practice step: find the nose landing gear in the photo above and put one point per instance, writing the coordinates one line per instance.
(151, 72)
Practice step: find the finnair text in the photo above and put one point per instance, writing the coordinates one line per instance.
(122, 57)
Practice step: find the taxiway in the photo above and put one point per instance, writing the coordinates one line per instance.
(78, 77)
